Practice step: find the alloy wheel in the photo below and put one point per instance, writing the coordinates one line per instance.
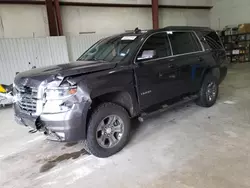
(110, 131)
(211, 91)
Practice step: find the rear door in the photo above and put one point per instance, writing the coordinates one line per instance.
(188, 55)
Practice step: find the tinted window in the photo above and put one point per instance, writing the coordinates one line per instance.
(213, 40)
(184, 42)
(156, 46)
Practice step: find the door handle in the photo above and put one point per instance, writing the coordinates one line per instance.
(171, 76)
(171, 65)
(200, 59)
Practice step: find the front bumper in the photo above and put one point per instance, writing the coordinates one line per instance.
(67, 126)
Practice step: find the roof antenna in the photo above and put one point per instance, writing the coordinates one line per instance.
(137, 30)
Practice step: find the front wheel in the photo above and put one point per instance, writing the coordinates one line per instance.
(108, 130)
(208, 92)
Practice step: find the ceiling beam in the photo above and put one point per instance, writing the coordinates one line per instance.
(21, 2)
(103, 4)
(66, 3)
(120, 5)
(186, 7)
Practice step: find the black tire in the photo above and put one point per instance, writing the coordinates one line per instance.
(100, 113)
(203, 99)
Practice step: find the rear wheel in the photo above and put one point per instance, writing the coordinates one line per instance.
(108, 130)
(208, 92)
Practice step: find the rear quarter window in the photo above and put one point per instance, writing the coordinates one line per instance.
(212, 40)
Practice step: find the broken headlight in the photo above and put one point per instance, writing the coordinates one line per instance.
(59, 93)
(56, 96)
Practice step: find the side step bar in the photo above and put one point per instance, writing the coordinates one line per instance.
(164, 108)
(33, 131)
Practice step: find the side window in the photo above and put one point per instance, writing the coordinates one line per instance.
(156, 46)
(184, 42)
(213, 40)
(197, 42)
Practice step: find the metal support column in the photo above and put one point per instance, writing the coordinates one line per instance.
(155, 14)
(58, 17)
(51, 18)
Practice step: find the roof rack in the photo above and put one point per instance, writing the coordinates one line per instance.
(187, 27)
(137, 30)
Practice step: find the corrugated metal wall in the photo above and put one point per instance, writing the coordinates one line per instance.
(15, 54)
(78, 44)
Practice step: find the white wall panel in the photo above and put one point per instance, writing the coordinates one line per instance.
(23, 21)
(229, 12)
(104, 20)
(169, 17)
(183, 17)
(79, 44)
(199, 2)
(198, 17)
(17, 53)
(186, 2)
(31, 20)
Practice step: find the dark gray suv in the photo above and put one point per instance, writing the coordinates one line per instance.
(120, 77)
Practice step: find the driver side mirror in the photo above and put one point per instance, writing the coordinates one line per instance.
(146, 55)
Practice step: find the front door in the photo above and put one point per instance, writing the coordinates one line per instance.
(157, 76)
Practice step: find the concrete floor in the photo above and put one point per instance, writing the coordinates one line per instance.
(186, 147)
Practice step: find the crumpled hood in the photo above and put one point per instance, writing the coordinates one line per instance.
(34, 77)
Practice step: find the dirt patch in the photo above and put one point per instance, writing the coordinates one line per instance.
(52, 163)
(70, 144)
(63, 148)
(47, 166)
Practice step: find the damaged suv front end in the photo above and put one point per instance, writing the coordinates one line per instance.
(56, 106)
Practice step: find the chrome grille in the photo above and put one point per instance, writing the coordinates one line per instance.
(27, 99)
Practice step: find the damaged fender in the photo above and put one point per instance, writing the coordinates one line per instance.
(69, 125)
